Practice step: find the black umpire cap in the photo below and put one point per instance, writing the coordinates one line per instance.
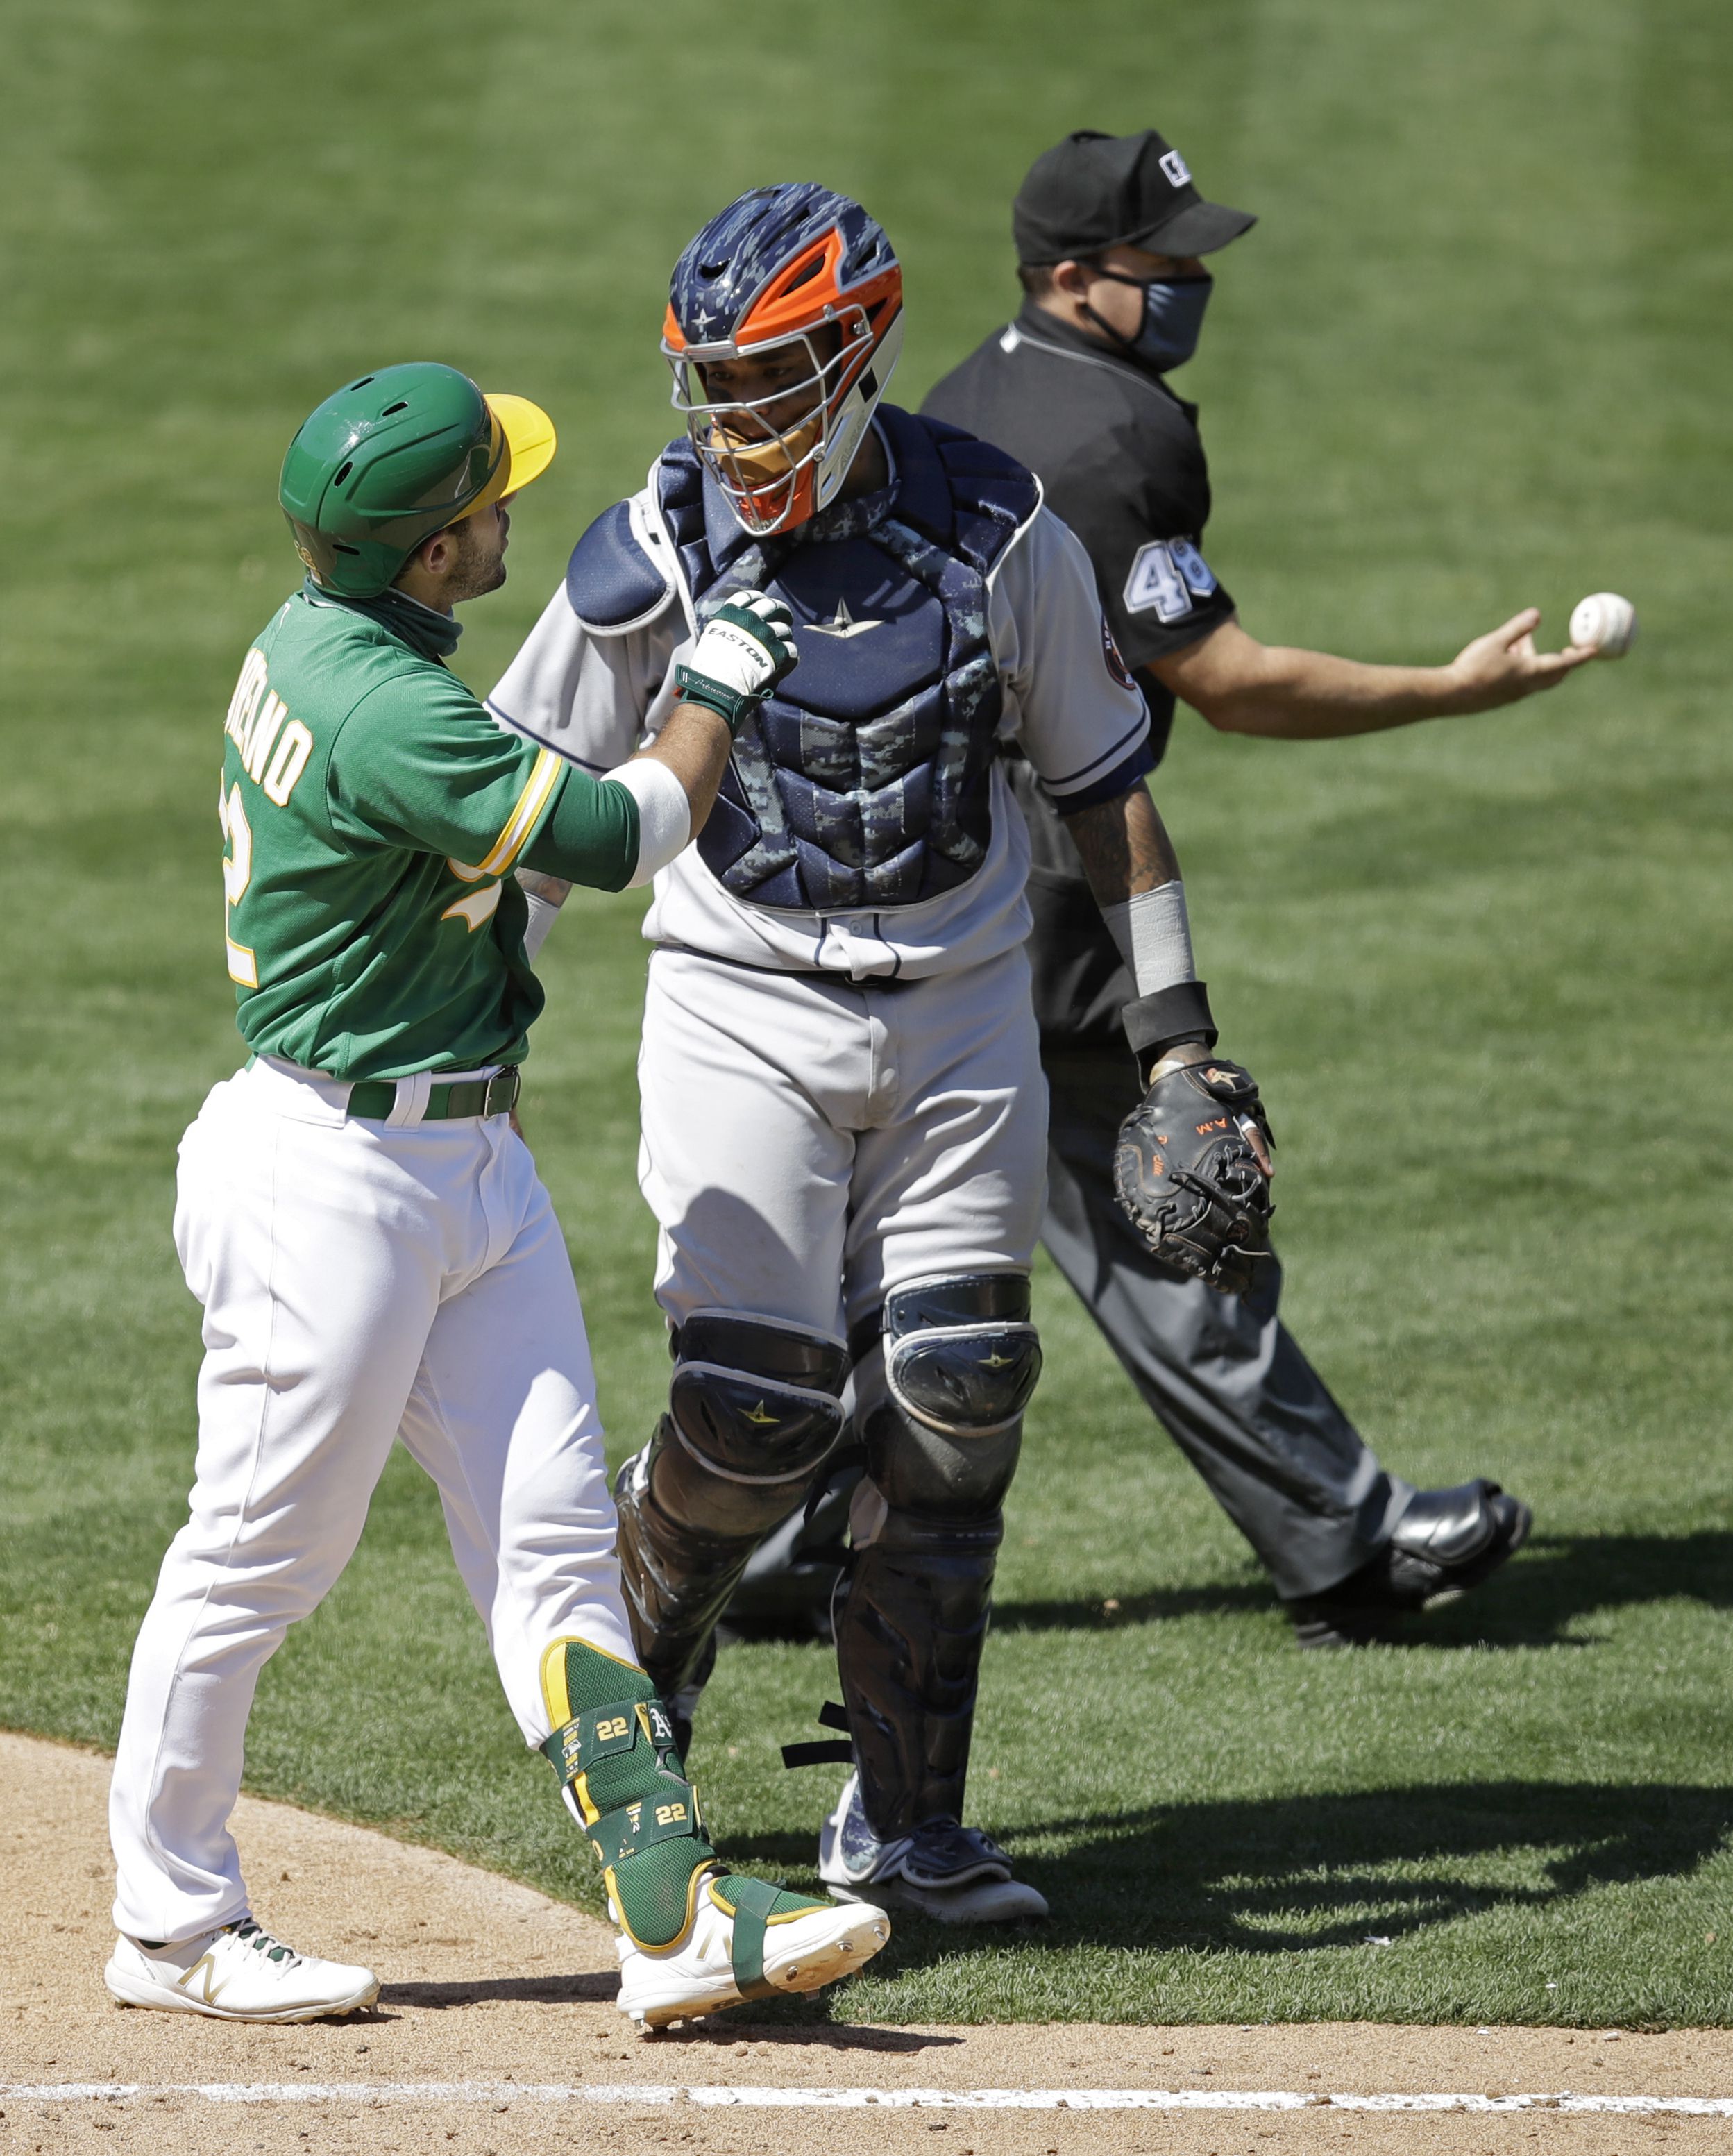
(1094, 191)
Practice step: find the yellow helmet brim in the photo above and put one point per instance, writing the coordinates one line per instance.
(523, 435)
(529, 435)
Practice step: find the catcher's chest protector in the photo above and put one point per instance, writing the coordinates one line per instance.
(864, 780)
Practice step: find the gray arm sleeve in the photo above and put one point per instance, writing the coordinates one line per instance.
(1154, 937)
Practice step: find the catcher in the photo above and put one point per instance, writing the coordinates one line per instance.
(843, 1103)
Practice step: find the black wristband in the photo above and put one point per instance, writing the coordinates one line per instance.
(1155, 1023)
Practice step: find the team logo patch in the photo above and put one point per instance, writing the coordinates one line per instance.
(1117, 665)
(1175, 168)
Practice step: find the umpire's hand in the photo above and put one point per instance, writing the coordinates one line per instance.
(1503, 666)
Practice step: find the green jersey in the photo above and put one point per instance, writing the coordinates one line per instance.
(372, 813)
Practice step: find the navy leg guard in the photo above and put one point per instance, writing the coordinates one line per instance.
(754, 1411)
(911, 1611)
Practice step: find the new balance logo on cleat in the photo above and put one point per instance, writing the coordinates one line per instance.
(210, 1990)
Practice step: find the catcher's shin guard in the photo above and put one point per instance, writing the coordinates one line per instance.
(960, 1361)
(754, 1410)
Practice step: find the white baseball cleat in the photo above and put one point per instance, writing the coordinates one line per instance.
(956, 1873)
(734, 1951)
(237, 1974)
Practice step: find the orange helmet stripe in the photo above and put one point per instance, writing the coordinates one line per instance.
(796, 296)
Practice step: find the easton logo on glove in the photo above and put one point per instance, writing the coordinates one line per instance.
(745, 649)
(1191, 1173)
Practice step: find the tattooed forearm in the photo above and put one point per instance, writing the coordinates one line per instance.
(1124, 847)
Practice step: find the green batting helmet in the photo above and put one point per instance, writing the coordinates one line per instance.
(395, 457)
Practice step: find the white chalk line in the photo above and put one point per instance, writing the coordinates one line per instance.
(745, 2097)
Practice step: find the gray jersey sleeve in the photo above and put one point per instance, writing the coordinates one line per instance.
(593, 697)
(1069, 699)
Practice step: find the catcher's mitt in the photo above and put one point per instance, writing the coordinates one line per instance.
(1192, 1173)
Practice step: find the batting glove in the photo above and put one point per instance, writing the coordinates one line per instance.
(746, 647)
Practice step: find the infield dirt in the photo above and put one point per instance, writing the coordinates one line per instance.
(486, 1981)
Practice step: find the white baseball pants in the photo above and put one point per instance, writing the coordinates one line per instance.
(360, 1282)
(810, 1144)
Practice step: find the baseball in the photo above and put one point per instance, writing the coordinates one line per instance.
(1606, 621)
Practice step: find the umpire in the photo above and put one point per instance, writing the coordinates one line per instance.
(1111, 233)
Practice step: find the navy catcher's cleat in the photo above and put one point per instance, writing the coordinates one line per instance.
(1447, 1542)
(954, 1873)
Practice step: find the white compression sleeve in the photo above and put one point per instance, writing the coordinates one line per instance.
(1154, 937)
(543, 914)
(664, 814)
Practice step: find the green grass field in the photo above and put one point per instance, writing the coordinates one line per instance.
(1474, 357)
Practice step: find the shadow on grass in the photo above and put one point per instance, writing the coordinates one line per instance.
(1295, 1874)
(1554, 1582)
(1226, 1600)
(1560, 1579)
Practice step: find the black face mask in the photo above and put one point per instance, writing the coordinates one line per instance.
(1172, 318)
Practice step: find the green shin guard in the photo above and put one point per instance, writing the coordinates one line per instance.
(612, 1747)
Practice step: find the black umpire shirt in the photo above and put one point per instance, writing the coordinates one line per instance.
(1121, 462)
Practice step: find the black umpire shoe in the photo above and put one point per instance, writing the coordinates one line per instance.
(1447, 1542)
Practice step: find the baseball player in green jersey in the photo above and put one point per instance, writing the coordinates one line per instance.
(375, 1253)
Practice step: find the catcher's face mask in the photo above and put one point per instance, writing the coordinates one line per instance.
(784, 322)
(758, 417)
(779, 422)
